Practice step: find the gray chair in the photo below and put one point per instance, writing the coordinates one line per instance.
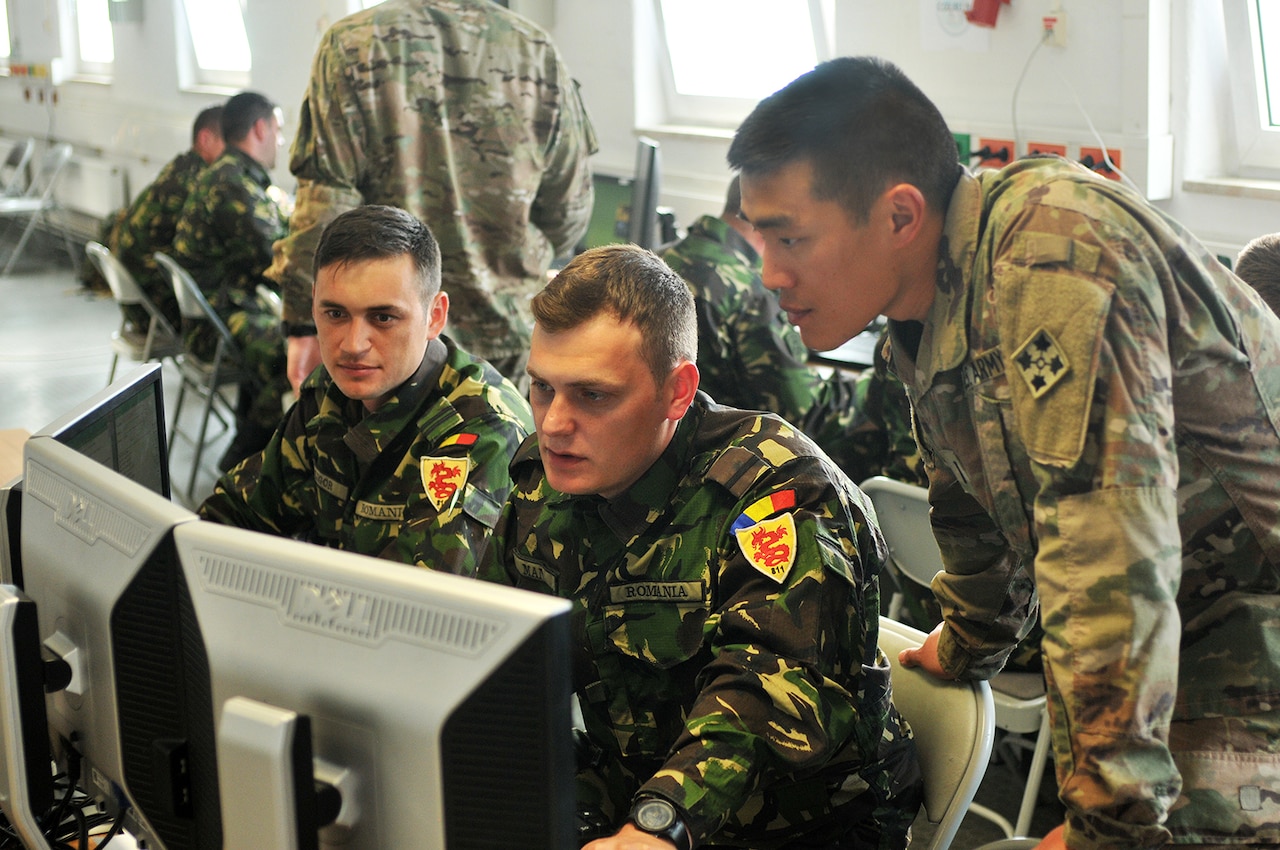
(953, 724)
(38, 201)
(13, 172)
(208, 377)
(903, 514)
(158, 340)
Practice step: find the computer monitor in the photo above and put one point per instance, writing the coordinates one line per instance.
(642, 221)
(123, 428)
(438, 707)
(99, 564)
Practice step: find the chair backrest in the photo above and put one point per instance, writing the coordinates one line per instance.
(52, 163)
(954, 726)
(14, 171)
(123, 287)
(902, 511)
(192, 304)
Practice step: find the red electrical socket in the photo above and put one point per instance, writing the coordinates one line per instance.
(993, 153)
(1092, 158)
(1046, 147)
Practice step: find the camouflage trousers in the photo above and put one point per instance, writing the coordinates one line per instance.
(1230, 770)
(261, 342)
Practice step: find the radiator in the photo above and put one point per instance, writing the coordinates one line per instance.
(92, 186)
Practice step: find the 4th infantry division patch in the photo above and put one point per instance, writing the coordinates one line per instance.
(1041, 362)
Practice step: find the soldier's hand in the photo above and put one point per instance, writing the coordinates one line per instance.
(303, 357)
(926, 656)
(629, 838)
(1055, 840)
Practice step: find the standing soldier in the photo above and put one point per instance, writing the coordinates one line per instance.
(1098, 405)
(463, 114)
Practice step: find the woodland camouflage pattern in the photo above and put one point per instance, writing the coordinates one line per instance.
(759, 706)
(1097, 399)
(149, 225)
(338, 476)
(463, 114)
(223, 239)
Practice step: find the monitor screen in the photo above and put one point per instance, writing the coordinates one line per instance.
(643, 227)
(436, 706)
(123, 428)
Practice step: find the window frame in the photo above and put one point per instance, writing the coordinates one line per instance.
(81, 67)
(727, 112)
(1257, 139)
(8, 38)
(192, 75)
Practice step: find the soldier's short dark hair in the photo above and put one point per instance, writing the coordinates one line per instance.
(862, 125)
(1259, 266)
(210, 118)
(241, 112)
(632, 285)
(379, 232)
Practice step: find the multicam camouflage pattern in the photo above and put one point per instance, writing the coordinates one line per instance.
(463, 114)
(223, 238)
(339, 477)
(1098, 402)
(150, 224)
(758, 705)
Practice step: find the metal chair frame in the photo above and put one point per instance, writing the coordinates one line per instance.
(38, 201)
(160, 339)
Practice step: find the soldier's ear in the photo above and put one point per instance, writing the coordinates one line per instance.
(681, 386)
(437, 314)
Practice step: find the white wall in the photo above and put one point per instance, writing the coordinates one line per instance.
(1150, 75)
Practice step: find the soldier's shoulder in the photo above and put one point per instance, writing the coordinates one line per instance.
(741, 449)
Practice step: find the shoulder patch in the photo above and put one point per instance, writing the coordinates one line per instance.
(1041, 362)
(738, 469)
(782, 500)
(770, 546)
(443, 479)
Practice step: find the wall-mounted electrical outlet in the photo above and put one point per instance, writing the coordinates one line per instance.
(1055, 28)
(1092, 158)
(994, 153)
(1046, 147)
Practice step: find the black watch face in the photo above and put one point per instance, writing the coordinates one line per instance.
(654, 815)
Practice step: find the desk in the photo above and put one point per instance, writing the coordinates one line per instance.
(11, 441)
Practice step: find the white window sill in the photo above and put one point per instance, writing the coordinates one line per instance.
(1235, 187)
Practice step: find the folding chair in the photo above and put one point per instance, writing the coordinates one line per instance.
(38, 201)
(158, 340)
(206, 376)
(902, 511)
(13, 173)
(953, 724)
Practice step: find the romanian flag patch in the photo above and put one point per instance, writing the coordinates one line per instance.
(458, 440)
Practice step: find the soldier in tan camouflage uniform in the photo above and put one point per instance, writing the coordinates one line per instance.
(1098, 404)
(463, 114)
(151, 221)
(399, 444)
(725, 578)
(223, 238)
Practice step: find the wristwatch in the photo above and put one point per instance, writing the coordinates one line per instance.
(657, 816)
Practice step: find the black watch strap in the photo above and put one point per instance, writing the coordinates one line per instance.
(660, 817)
(299, 329)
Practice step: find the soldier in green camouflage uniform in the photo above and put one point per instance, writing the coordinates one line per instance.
(463, 114)
(223, 238)
(1096, 398)
(151, 221)
(414, 470)
(725, 581)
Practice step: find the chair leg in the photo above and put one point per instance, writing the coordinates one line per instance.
(22, 243)
(1039, 759)
(211, 391)
(111, 374)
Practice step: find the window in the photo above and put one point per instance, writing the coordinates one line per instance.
(709, 78)
(218, 47)
(6, 49)
(95, 51)
(1255, 79)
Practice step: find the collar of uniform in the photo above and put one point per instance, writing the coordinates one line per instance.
(646, 499)
(252, 167)
(718, 230)
(945, 341)
(368, 437)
